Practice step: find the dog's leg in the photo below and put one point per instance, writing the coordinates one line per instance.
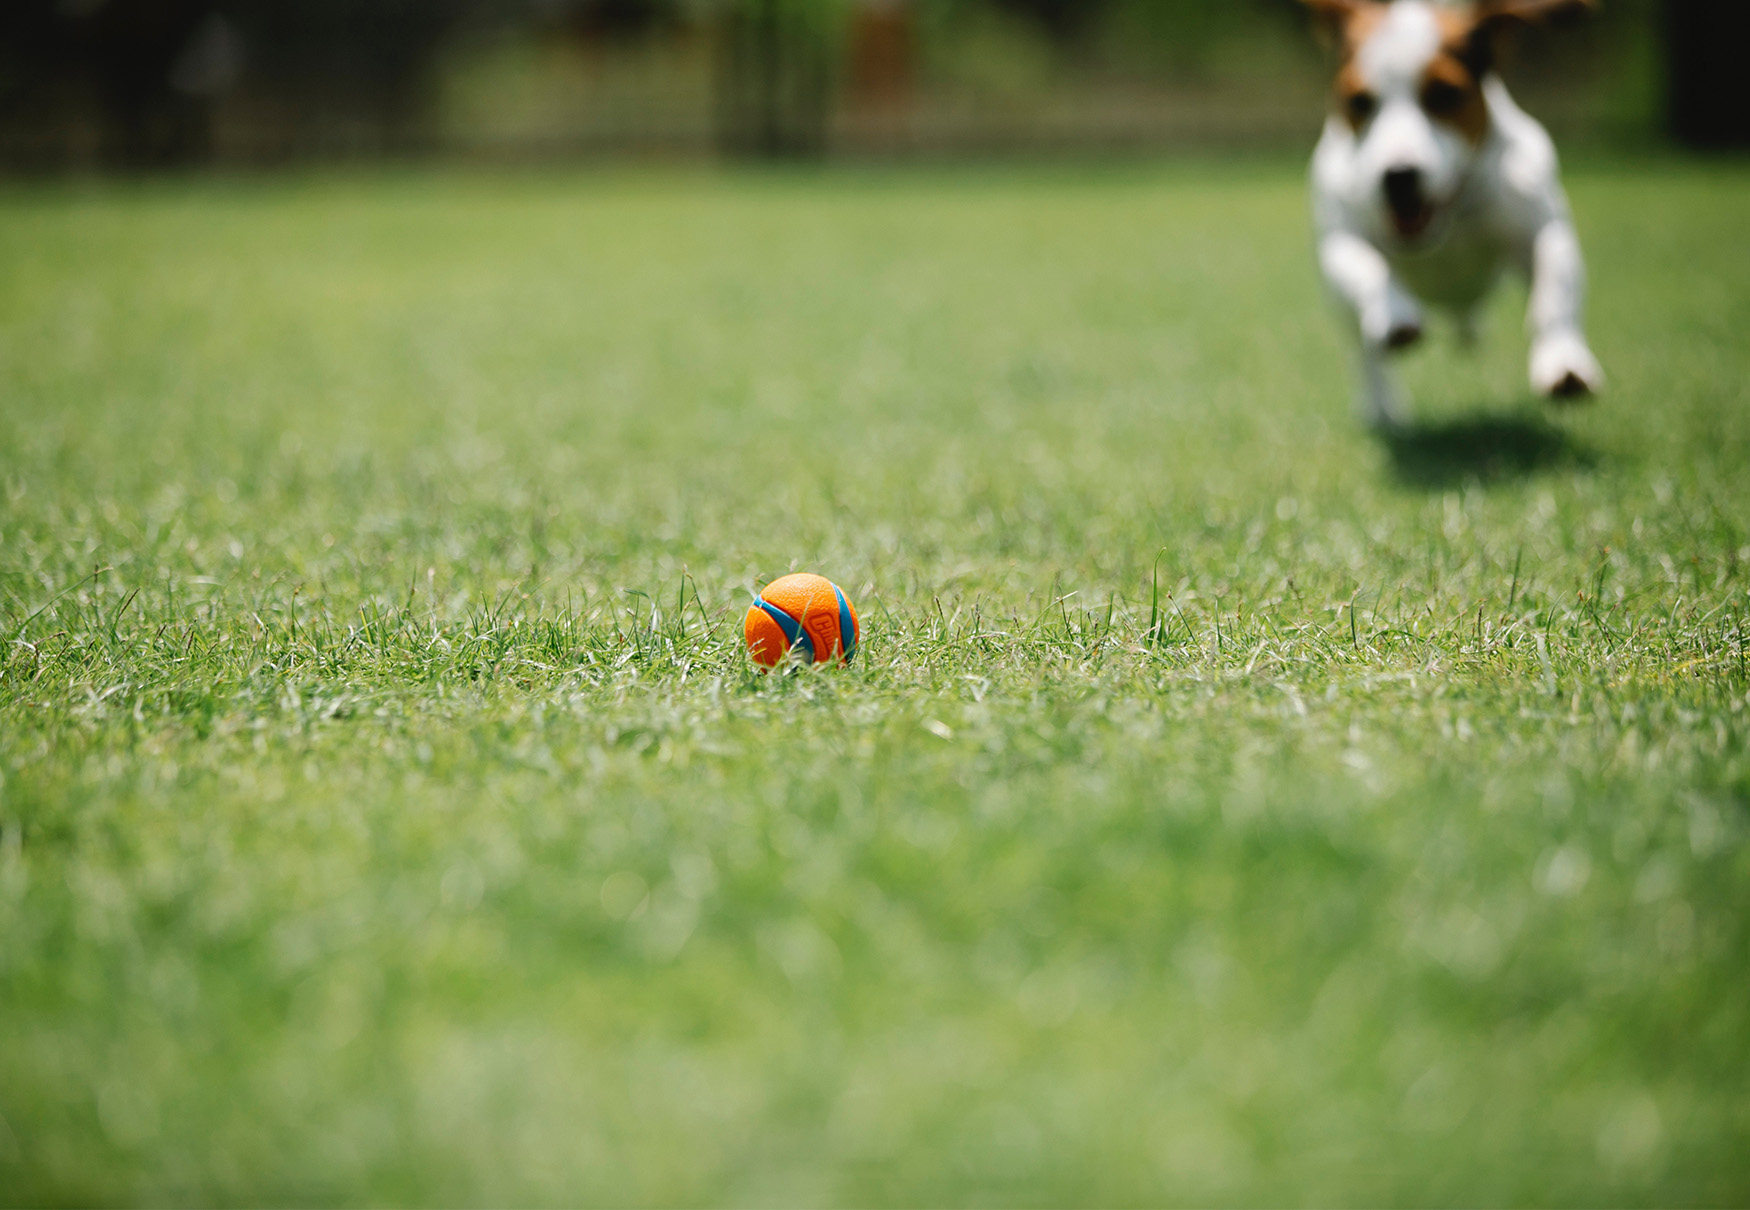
(1381, 403)
(1562, 364)
(1386, 317)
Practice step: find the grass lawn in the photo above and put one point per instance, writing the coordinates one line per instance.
(1225, 806)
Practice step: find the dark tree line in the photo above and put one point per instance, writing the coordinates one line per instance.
(1705, 84)
(777, 85)
(143, 74)
(134, 82)
(115, 62)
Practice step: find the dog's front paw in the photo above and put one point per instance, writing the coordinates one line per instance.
(1395, 324)
(1563, 368)
(1404, 335)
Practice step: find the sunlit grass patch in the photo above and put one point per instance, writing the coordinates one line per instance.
(1223, 806)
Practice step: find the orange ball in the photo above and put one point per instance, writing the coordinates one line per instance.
(804, 613)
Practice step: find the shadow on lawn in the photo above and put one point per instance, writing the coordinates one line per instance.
(1445, 453)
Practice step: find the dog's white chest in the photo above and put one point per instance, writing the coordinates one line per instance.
(1458, 273)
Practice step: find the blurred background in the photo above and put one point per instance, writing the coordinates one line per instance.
(131, 84)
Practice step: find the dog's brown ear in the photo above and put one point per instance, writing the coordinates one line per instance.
(1492, 21)
(1340, 21)
(1501, 14)
(1337, 14)
(1336, 11)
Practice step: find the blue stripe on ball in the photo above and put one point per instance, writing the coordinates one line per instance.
(793, 632)
(847, 627)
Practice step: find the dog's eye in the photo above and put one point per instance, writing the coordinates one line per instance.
(1361, 107)
(1443, 99)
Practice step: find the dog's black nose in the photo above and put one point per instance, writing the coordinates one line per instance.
(1403, 192)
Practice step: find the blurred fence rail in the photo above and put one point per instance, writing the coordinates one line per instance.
(147, 83)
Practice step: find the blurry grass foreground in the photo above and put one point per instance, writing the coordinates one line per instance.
(1223, 808)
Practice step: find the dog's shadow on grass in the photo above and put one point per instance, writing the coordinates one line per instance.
(1484, 446)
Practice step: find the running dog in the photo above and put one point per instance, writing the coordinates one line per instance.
(1430, 184)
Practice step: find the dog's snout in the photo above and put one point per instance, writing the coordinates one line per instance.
(1403, 189)
(1406, 194)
